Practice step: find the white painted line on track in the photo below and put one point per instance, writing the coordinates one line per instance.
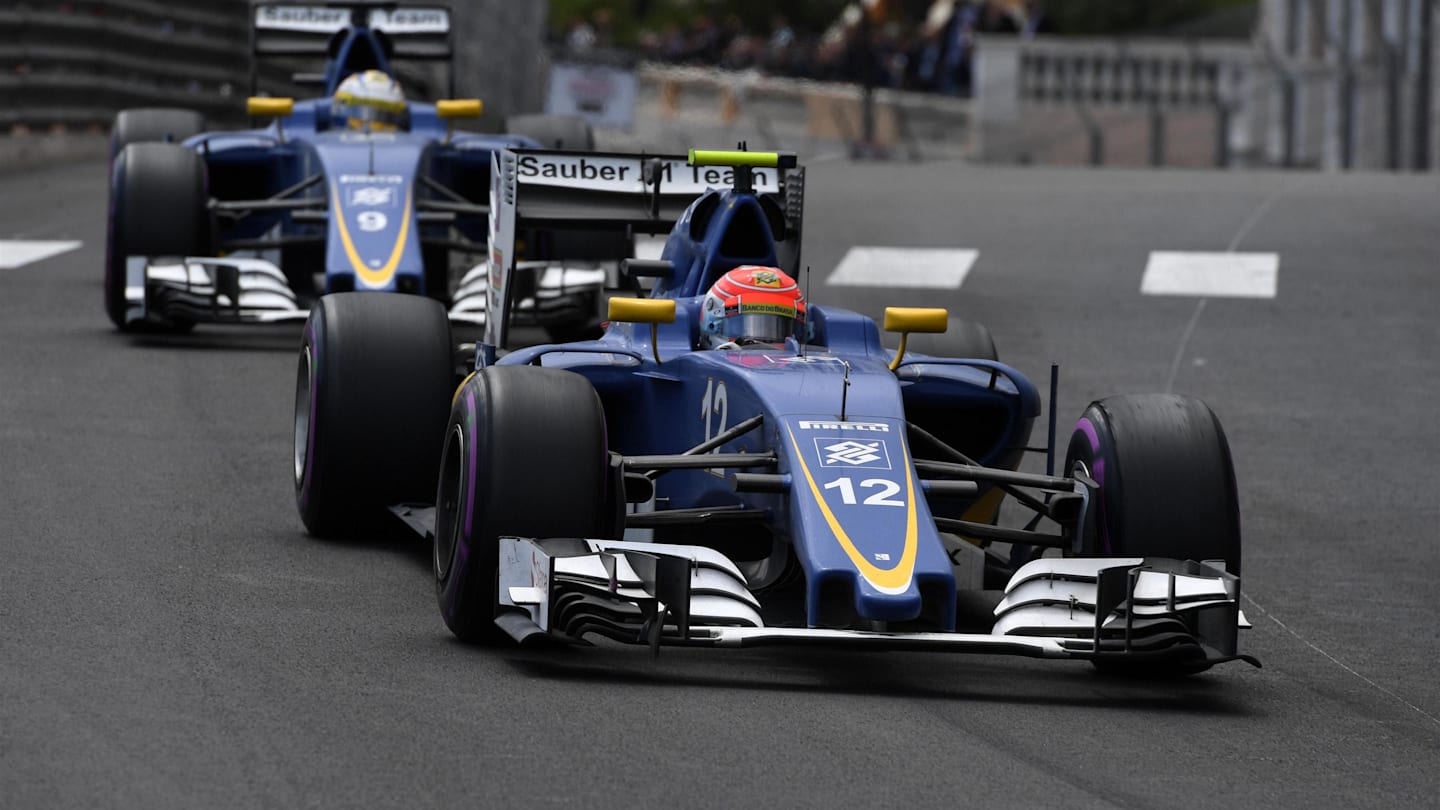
(1211, 275)
(926, 268)
(20, 252)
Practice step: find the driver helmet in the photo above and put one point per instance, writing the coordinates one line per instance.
(752, 304)
(370, 100)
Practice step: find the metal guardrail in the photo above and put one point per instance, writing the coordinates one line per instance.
(76, 64)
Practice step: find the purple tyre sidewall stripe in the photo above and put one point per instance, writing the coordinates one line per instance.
(307, 482)
(1097, 471)
(451, 590)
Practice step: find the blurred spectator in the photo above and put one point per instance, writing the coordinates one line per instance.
(904, 44)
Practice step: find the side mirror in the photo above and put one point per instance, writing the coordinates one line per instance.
(265, 107)
(451, 108)
(459, 108)
(653, 311)
(642, 310)
(932, 320)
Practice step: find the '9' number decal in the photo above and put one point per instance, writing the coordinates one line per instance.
(885, 497)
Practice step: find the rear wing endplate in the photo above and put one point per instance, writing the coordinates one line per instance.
(604, 191)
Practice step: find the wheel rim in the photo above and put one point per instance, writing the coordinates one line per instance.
(447, 502)
(302, 414)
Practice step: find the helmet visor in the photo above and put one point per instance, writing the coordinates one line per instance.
(756, 326)
(359, 114)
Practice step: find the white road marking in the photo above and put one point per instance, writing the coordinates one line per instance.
(20, 252)
(928, 268)
(1211, 275)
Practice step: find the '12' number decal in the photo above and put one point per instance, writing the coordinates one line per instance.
(715, 403)
(885, 497)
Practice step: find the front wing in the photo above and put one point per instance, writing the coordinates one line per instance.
(669, 595)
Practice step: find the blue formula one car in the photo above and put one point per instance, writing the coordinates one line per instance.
(682, 482)
(356, 190)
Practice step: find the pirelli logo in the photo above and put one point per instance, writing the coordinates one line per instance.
(872, 427)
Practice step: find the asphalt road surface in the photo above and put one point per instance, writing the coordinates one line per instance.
(169, 637)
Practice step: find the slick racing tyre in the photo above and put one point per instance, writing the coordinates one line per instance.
(159, 206)
(1166, 489)
(153, 124)
(1167, 486)
(372, 391)
(525, 455)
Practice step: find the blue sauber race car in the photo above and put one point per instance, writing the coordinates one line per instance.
(730, 466)
(355, 190)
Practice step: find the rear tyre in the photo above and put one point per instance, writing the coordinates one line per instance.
(1166, 489)
(158, 207)
(372, 391)
(153, 124)
(525, 455)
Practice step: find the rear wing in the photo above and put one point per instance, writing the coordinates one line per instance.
(352, 35)
(611, 191)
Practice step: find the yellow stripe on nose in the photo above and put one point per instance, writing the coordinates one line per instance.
(888, 580)
(382, 275)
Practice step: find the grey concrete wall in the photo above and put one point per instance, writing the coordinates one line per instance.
(500, 55)
(499, 58)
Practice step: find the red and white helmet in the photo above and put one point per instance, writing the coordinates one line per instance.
(753, 304)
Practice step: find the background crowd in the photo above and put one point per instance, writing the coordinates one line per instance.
(923, 45)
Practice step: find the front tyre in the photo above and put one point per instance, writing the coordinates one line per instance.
(372, 389)
(159, 206)
(1167, 484)
(525, 455)
(1166, 489)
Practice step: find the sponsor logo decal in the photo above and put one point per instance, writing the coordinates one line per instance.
(411, 20)
(372, 195)
(811, 424)
(371, 221)
(852, 453)
(301, 18)
(625, 174)
(765, 278)
(535, 167)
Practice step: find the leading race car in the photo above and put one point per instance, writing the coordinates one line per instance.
(731, 465)
(359, 189)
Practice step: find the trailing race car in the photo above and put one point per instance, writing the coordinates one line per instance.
(358, 189)
(730, 465)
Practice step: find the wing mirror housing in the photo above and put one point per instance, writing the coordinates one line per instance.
(268, 107)
(653, 311)
(459, 108)
(932, 320)
(452, 108)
